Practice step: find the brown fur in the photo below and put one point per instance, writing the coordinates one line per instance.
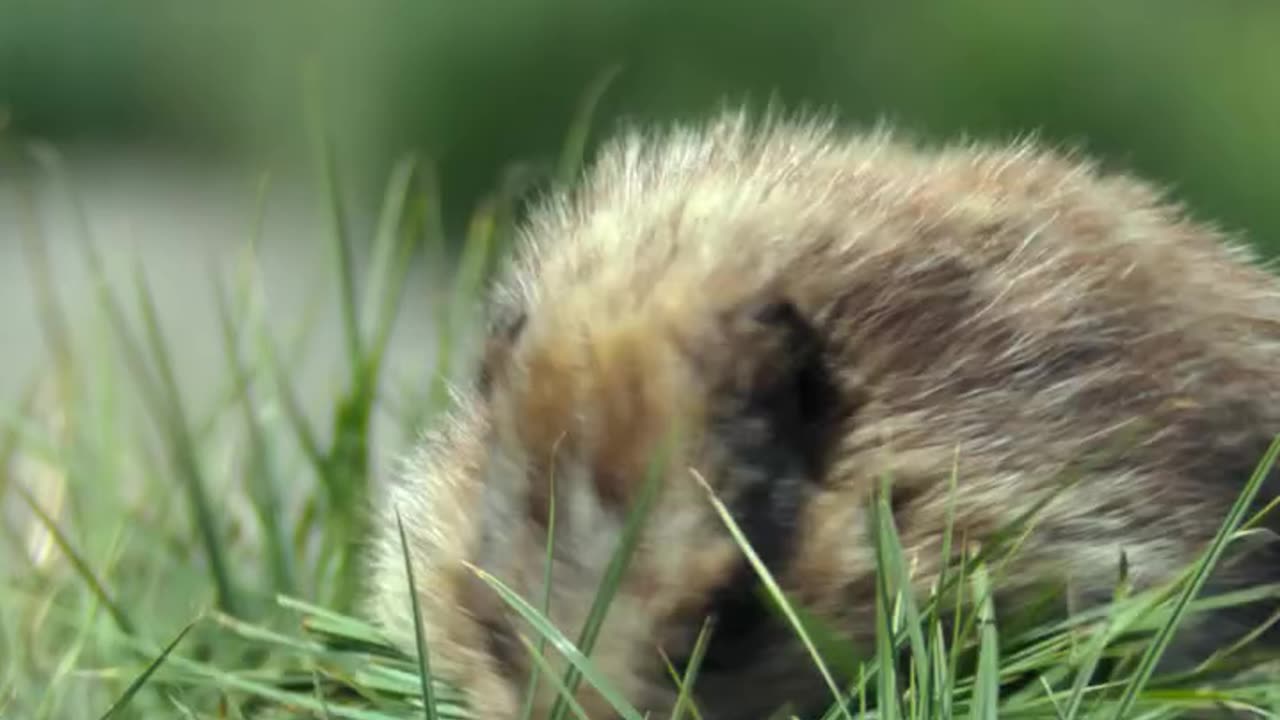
(814, 311)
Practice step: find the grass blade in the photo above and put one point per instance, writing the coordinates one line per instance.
(424, 662)
(78, 561)
(326, 166)
(184, 454)
(294, 413)
(141, 680)
(614, 572)
(575, 144)
(886, 657)
(389, 263)
(1099, 644)
(1198, 578)
(540, 665)
(903, 593)
(771, 585)
(684, 698)
(532, 688)
(261, 482)
(576, 657)
(987, 683)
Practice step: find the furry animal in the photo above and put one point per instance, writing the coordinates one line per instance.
(812, 311)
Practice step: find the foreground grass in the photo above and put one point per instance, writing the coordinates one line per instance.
(133, 588)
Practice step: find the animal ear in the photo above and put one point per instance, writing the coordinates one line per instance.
(772, 372)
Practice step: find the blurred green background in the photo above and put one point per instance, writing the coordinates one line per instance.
(1185, 92)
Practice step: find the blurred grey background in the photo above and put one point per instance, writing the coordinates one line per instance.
(168, 114)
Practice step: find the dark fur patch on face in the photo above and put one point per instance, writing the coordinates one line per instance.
(775, 402)
(775, 407)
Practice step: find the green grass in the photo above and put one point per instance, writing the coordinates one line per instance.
(146, 600)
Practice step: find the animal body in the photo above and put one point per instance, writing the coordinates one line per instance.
(811, 311)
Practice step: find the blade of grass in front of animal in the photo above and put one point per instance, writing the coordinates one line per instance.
(887, 697)
(857, 689)
(1261, 515)
(127, 696)
(1244, 641)
(1086, 616)
(886, 666)
(774, 590)
(265, 636)
(541, 665)
(619, 562)
(388, 679)
(77, 560)
(318, 694)
(1048, 695)
(838, 652)
(349, 635)
(547, 575)
(902, 591)
(1051, 662)
(684, 698)
(424, 661)
(334, 622)
(576, 657)
(1098, 643)
(986, 695)
(294, 700)
(184, 452)
(621, 558)
(941, 678)
(938, 647)
(786, 712)
(1146, 666)
(185, 710)
(1006, 540)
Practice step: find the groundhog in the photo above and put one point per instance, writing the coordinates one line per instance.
(815, 310)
